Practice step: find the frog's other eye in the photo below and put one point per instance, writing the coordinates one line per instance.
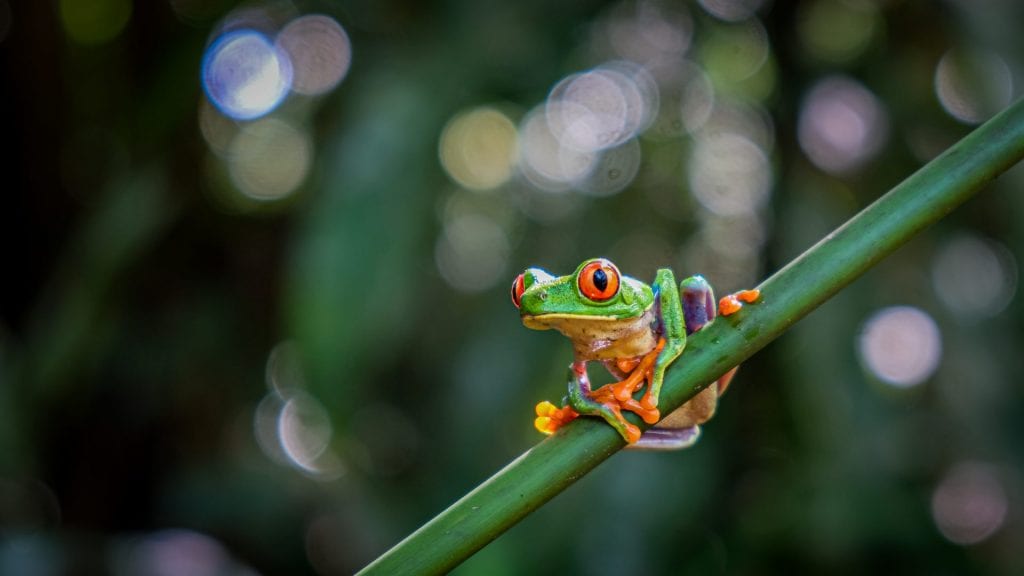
(599, 280)
(518, 287)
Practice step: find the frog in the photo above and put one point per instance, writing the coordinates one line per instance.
(636, 331)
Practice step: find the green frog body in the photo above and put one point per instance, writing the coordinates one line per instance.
(636, 330)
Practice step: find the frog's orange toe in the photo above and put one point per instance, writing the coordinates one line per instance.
(732, 304)
(749, 296)
(649, 414)
(545, 425)
(729, 305)
(550, 417)
(545, 408)
(632, 433)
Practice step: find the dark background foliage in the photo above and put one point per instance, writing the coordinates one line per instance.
(219, 361)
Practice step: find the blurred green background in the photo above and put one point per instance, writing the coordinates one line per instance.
(256, 314)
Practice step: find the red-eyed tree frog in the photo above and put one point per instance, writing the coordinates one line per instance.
(636, 331)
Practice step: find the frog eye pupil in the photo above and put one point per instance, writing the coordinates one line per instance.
(599, 280)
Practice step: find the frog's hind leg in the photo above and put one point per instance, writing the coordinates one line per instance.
(667, 439)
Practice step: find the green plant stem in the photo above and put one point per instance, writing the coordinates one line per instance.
(790, 294)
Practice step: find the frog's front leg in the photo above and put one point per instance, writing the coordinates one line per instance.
(680, 428)
(672, 326)
(583, 401)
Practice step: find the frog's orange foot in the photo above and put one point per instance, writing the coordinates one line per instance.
(550, 417)
(621, 393)
(629, 431)
(732, 303)
(632, 432)
(649, 414)
(623, 390)
(606, 395)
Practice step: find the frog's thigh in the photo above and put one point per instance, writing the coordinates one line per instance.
(697, 410)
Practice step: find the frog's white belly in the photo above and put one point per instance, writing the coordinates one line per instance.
(601, 337)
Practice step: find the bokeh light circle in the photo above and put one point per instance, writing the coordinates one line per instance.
(729, 174)
(697, 100)
(731, 10)
(901, 345)
(614, 170)
(478, 148)
(587, 112)
(304, 429)
(735, 53)
(642, 94)
(319, 50)
(217, 129)
(293, 428)
(174, 552)
(595, 110)
(746, 119)
(686, 95)
(269, 159)
(972, 85)
(472, 253)
(244, 75)
(842, 125)
(284, 371)
(544, 161)
(837, 30)
(970, 504)
(649, 32)
(974, 278)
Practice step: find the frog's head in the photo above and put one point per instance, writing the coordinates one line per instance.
(595, 291)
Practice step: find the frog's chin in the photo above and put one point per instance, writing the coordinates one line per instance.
(601, 337)
(549, 321)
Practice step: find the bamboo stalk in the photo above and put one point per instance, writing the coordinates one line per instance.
(790, 294)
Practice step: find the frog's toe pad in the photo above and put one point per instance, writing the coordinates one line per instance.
(545, 408)
(631, 434)
(545, 425)
(749, 296)
(550, 417)
(732, 303)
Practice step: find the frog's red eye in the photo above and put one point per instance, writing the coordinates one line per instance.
(599, 280)
(518, 287)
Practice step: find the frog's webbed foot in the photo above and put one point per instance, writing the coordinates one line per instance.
(639, 372)
(550, 417)
(648, 415)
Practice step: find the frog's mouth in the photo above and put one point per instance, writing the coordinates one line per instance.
(548, 321)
